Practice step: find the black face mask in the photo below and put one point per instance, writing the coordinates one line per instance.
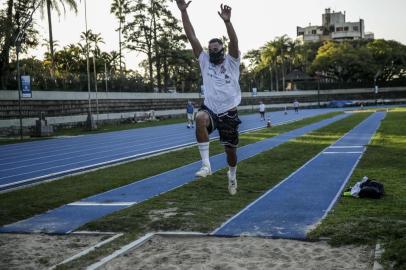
(217, 57)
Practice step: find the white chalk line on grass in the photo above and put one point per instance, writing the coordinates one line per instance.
(102, 204)
(358, 152)
(348, 146)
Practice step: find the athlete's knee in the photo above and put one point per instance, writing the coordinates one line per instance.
(202, 119)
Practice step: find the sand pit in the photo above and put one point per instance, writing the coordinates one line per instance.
(39, 251)
(194, 252)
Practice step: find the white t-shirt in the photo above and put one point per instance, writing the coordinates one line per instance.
(262, 107)
(296, 104)
(221, 87)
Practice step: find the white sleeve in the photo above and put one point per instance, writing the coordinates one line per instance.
(203, 60)
(234, 63)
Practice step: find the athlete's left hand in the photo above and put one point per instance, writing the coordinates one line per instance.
(225, 13)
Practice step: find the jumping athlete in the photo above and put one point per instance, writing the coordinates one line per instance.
(222, 94)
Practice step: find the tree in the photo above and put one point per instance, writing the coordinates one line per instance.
(119, 8)
(344, 63)
(55, 5)
(390, 59)
(149, 27)
(15, 19)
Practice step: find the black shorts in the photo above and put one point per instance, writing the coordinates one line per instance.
(227, 124)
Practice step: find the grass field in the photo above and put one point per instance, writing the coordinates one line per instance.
(203, 205)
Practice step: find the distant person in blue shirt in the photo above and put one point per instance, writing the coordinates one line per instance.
(190, 111)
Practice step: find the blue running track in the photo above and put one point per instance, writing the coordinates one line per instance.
(299, 202)
(25, 163)
(69, 217)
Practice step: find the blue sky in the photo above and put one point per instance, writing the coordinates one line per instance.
(255, 21)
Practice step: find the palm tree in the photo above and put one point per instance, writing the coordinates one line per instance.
(55, 4)
(119, 7)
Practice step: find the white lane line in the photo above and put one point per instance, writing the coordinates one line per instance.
(354, 152)
(344, 147)
(91, 166)
(86, 140)
(101, 204)
(122, 159)
(115, 153)
(99, 147)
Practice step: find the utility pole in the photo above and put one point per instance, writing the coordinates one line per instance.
(17, 42)
(95, 86)
(90, 121)
(18, 47)
(105, 74)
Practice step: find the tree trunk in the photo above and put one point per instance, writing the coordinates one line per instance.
(156, 47)
(8, 43)
(51, 40)
(276, 80)
(151, 70)
(166, 73)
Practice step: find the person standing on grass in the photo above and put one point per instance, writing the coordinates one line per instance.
(262, 110)
(190, 112)
(222, 94)
(296, 106)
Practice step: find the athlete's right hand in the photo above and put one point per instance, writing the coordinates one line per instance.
(182, 5)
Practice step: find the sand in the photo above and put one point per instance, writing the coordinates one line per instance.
(40, 251)
(178, 252)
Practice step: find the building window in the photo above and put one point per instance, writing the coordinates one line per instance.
(355, 28)
(314, 32)
(339, 29)
(346, 28)
(300, 33)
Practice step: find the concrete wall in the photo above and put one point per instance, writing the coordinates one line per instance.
(64, 108)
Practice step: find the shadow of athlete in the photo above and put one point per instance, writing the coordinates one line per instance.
(222, 93)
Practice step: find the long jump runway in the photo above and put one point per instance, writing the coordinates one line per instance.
(300, 201)
(69, 217)
(25, 163)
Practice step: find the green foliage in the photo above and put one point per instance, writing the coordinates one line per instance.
(15, 19)
(345, 62)
(357, 61)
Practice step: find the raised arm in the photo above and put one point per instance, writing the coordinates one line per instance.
(187, 25)
(225, 14)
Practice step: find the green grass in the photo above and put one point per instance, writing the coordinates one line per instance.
(364, 221)
(54, 194)
(205, 204)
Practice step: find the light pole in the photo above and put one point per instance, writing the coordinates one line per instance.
(18, 47)
(17, 42)
(318, 87)
(90, 122)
